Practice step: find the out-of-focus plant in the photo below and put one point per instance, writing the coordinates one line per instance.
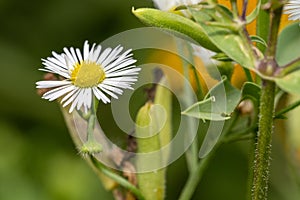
(257, 62)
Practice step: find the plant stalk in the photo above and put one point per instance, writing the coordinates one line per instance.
(195, 177)
(263, 148)
(262, 155)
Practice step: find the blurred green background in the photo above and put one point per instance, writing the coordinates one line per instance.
(38, 160)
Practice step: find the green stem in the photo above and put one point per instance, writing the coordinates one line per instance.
(91, 146)
(195, 177)
(262, 154)
(119, 179)
(287, 109)
(262, 157)
(244, 135)
(290, 67)
(91, 126)
(192, 152)
(200, 94)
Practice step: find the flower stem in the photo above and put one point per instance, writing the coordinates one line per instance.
(119, 179)
(91, 146)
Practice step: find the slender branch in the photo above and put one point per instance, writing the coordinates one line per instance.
(192, 152)
(200, 94)
(244, 135)
(287, 109)
(195, 177)
(290, 67)
(119, 179)
(245, 5)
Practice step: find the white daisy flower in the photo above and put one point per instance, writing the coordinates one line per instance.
(169, 4)
(93, 73)
(292, 8)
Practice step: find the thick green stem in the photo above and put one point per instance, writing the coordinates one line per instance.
(262, 157)
(263, 147)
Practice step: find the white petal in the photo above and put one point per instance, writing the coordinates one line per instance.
(57, 92)
(73, 95)
(103, 56)
(100, 96)
(74, 54)
(111, 88)
(69, 56)
(112, 56)
(91, 53)
(75, 101)
(85, 50)
(125, 64)
(79, 55)
(88, 101)
(51, 84)
(81, 98)
(59, 57)
(96, 53)
(123, 73)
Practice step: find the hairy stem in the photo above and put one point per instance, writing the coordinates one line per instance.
(263, 147)
(261, 168)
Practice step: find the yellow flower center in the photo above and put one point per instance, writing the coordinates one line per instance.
(87, 74)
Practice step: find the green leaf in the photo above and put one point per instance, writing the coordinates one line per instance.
(254, 13)
(288, 44)
(256, 38)
(221, 57)
(290, 83)
(161, 19)
(218, 104)
(223, 35)
(251, 91)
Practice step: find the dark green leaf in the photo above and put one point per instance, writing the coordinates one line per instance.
(290, 83)
(223, 35)
(288, 44)
(251, 91)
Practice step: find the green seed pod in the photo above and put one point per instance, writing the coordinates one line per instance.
(161, 19)
(151, 184)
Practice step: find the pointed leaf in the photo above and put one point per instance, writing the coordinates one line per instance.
(251, 91)
(218, 105)
(226, 39)
(254, 13)
(290, 83)
(256, 38)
